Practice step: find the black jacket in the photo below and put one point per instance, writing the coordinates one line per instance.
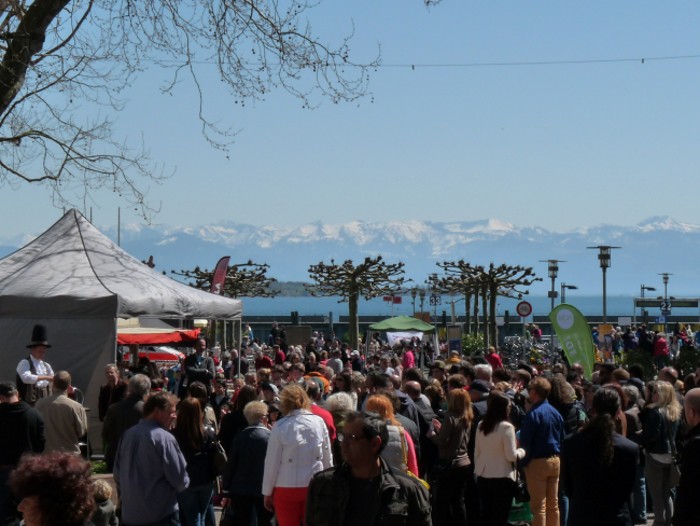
(686, 511)
(246, 462)
(402, 499)
(120, 417)
(598, 495)
(22, 432)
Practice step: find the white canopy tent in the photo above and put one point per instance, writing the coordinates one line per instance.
(74, 280)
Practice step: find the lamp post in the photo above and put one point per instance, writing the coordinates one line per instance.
(644, 287)
(666, 311)
(641, 291)
(564, 288)
(414, 293)
(552, 271)
(432, 281)
(604, 253)
(421, 295)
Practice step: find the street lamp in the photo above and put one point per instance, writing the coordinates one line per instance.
(414, 293)
(643, 288)
(552, 271)
(421, 295)
(665, 311)
(604, 252)
(432, 281)
(564, 288)
(665, 276)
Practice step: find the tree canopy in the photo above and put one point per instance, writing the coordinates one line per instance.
(242, 280)
(371, 278)
(489, 282)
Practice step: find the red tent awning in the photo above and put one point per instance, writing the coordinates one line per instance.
(155, 336)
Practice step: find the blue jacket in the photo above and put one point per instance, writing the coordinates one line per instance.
(542, 432)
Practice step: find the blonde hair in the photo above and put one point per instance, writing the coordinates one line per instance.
(102, 490)
(381, 405)
(667, 401)
(293, 397)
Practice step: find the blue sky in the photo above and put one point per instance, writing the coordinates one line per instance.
(591, 139)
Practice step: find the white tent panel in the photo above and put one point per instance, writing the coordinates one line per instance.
(73, 270)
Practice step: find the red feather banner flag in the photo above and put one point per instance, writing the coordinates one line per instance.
(217, 281)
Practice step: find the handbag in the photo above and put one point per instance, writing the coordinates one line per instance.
(675, 470)
(219, 459)
(520, 492)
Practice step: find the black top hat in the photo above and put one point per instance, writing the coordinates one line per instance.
(38, 337)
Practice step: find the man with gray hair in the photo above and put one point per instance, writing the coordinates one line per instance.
(483, 371)
(123, 415)
(242, 482)
(65, 420)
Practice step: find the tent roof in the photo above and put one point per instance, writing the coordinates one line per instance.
(74, 271)
(402, 323)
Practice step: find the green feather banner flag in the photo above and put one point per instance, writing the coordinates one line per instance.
(574, 336)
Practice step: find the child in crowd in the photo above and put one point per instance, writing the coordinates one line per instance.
(105, 512)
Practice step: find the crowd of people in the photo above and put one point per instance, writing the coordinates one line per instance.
(321, 434)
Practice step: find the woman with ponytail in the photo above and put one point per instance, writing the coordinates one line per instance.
(598, 467)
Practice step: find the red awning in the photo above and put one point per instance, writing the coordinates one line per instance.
(159, 354)
(155, 336)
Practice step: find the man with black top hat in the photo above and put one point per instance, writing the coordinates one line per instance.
(34, 375)
(23, 432)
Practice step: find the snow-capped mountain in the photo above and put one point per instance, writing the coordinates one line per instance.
(656, 245)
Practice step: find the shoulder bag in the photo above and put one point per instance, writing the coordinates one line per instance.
(520, 492)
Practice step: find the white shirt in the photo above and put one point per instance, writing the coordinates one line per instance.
(42, 369)
(495, 453)
(298, 448)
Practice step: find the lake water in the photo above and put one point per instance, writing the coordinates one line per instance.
(308, 306)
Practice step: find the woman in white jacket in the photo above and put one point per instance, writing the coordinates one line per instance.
(299, 447)
(495, 453)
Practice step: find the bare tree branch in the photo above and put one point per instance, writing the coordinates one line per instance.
(58, 55)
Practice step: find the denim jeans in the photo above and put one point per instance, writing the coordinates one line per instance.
(194, 502)
(639, 496)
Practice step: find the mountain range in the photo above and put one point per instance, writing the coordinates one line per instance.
(652, 247)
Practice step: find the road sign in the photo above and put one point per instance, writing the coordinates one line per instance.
(524, 309)
(435, 299)
(661, 319)
(683, 303)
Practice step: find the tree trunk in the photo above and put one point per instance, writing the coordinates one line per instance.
(493, 329)
(353, 319)
(484, 309)
(467, 318)
(26, 41)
